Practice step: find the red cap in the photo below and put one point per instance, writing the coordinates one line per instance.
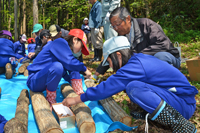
(81, 35)
(29, 40)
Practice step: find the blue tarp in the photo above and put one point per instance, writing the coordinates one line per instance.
(12, 88)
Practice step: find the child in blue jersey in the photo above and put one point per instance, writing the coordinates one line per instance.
(31, 48)
(55, 61)
(7, 54)
(45, 37)
(156, 86)
(19, 47)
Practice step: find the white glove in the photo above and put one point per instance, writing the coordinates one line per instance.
(87, 27)
(96, 31)
(107, 17)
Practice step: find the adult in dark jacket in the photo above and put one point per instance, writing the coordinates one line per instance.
(145, 36)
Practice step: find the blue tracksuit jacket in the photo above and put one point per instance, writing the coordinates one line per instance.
(6, 47)
(56, 51)
(19, 49)
(31, 47)
(6, 51)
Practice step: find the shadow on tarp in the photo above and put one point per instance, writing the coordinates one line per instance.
(12, 88)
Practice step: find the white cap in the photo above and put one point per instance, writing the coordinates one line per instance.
(85, 19)
(23, 37)
(112, 45)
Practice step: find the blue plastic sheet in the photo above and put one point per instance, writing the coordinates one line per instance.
(12, 88)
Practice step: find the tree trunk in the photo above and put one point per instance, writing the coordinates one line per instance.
(147, 8)
(43, 115)
(15, 12)
(24, 17)
(35, 12)
(43, 12)
(115, 112)
(19, 124)
(0, 17)
(19, 18)
(3, 17)
(9, 21)
(84, 119)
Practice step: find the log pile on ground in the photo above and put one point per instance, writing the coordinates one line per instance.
(23, 69)
(19, 124)
(115, 112)
(43, 115)
(82, 112)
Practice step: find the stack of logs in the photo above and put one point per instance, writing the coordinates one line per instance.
(23, 69)
(19, 124)
(115, 111)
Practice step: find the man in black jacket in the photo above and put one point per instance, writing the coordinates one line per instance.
(145, 36)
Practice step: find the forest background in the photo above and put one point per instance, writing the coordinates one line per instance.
(179, 19)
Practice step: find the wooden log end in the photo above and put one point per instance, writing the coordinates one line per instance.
(126, 120)
(15, 126)
(21, 69)
(55, 130)
(87, 127)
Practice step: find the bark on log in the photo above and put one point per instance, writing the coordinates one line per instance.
(23, 67)
(84, 119)
(115, 111)
(26, 72)
(43, 115)
(19, 124)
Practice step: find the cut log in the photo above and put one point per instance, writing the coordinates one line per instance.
(26, 72)
(84, 119)
(115, 111)
(19, 124)
(23, 67)
(43, 115)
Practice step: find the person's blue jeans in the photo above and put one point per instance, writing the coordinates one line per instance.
(168, 57)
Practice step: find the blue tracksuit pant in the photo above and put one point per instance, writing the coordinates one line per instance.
(136, 90)
(50, 77)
